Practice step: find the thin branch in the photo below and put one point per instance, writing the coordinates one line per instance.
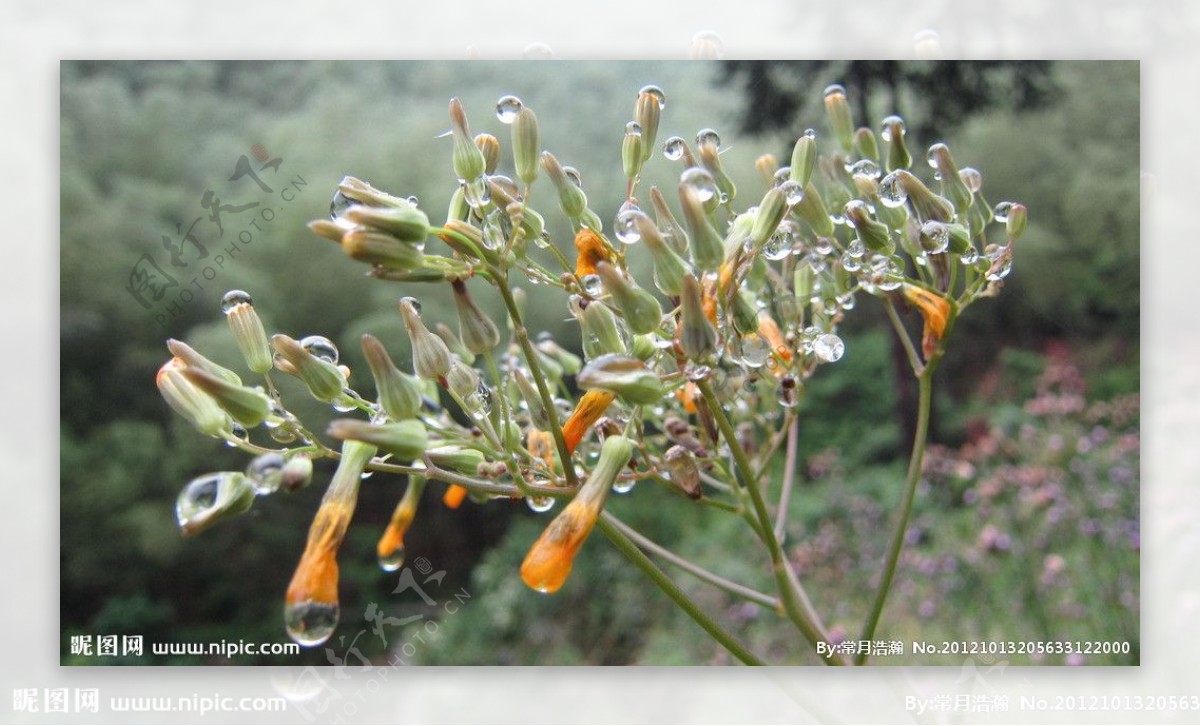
(789, 474)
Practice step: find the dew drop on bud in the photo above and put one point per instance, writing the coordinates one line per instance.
(573, 174)
(623, 486)
(891, 192)
(755, 351)
(412, 301)
(700, 181)
(932, 155)
(864, 167)
(707, 136)
(657, 93)
(507, 109)
(673, 148)
(625, 227)
(477, 193)
(823, 246)
(779, 246)
(782, 175)
(856, 249)
(835, 89)
(321, 347)
(233, 298)
(198, 496)
(935, 237)
(592, 285)
(540, 504)
(889, 123)
(310, 623)
(265, 473)
(633, 128)
(788, 392)
(793, 191)
(850, 263)
(1002, 211)
(971, 178)
(479, 401)
(829, 347)
(339, 204)
(393, 560)
(239, 432)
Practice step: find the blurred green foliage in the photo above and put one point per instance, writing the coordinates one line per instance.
(142, 143)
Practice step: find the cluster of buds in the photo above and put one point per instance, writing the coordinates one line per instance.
(740, 308)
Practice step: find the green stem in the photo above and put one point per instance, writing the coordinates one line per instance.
(893, 316)
(789, 475)
(796, 604)
(910, 489)
(668, 586)
(687, 565)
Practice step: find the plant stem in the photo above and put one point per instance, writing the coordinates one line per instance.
(915, 462)
(668, 586)
(687, 565)
(795, 601)
(789, 475)
(913, 360)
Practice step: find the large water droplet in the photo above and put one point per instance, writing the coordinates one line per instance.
(793, 192)
(788, 393)
(864, 167)
(823, 246)
(233, 298)
(935, 237)
(708, 136)
(412, 302)
(673, 148)
(321, 347)
(755, 351)
(633, 128)
(888, 124)
(573, 174)
(623, 486)
(856, 249)
(339, 204)
(507, 109)
(835, 89)
(592, 285)
(700, 181)
(477, 193)
(540, 504)
(707, 45)
(1001, 212)
(891, 191)
(850, 263)
(310, 623)
(393, 560)
(285, 433)
(265, 472)
(971, 178)
(626, 225)
(829, 347)
(657, 93)
(198, 496)
(934, 151)
(479, 401)
(1000, 264)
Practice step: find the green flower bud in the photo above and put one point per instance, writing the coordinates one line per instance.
(566, 361)
(633, 151)
(479, 334)
(532, 399)
(865, 144)
(588, 219)
(384, 250)
(458, 209)
(210, 498)
(359, 191)
(643, 347)
(627, 377)
(431, 357)
(468, 160)
(462, 380)
(927, 205)
(697, 336)
(405, 223)
(639, 307)
(601, 331)
(804, 159)
(188, 401)
(247, 406)
(868, 189)
(707, 250)
(471, 234)
(683, 471)
(248, 331)
(525, 145)
(325, 382)
(669, 267)
(952, 184)
(647, 112)
(803, 281)
(489, 146)
(745, 317)
(193, 359)
(455, 345)
(571, 198)
(297, 473)
(399, 396)
(405, 440)
(893, 133)
(771, 211)
(874, 235)
(456, 458)
(328, 229)
(813, 211)
(1018, 218)
(960, 238)
(840, 119)
(710, 159)
(667, 226)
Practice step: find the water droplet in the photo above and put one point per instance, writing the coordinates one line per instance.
(540, 504)
(592, 285)
(344, 403)
(707, 45)
(835, 89)
(810, 133)
(846, 301)
(339, 204)
(970, 256)
(239, 432)
(657, 93)
(793, 192)
(477, 193)
(623, 486)
(934, 151)
(633, 128)
(673, 148)
(708, 136)
(701, 181)
(887, 273)
(283, 434)
(321, 347)
(537, 51)
(755, 351)
(888, 124)
(1000, 264)
(891, 191)
(233, 298)
(696, 373)
(865, 167)
(972, 178)
(935, 237)
(626, 225)
(507, 109)
(265, 472)
(199, 495)
(782, 175)
(856, 249)
(393, 560)
(823, 246)
(310, 623)
(573, 174)
(788, 392)
(829, 347)
(850, 263)
(412, 301)
(479, 401)
(1002, 211)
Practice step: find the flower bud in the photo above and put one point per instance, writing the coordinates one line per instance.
(952, 184)
(456, 458)
(602, 332)
(525, 145)
(532, 399)
(399, 396)
(803, 282)
(471, 245)
(563, 359)
(247, 406)
(935, 309)
(489, 146)
(684, 473)
(812, 210)
(462, 380)
(633, 151)
(540, 445)
(405, 223)
(674, 235)
(359, 191)
(453, 342)
(629, 378)
(640, 308)
(710, 159)
(192, 359)
(210, 498)
(431, 357)
(771, 211)
(458, 210)
(548, 563)
(804, 159)
(384, 250)
(591, 407)
(697, 336)
(390, 548)
(297, 473)
(669, 267)
(745, 317)
(1018, 218)
(468, 160)
(766, 166)
(840, 120)
(571, 198)
(865, 145)
(647, 113)
(706, 248)
(248, 331)
(189, 401)
(893, 133)
(927, 205)
(325, 382)
(405, 440)
(328, 229)
(874, 235)
(479, 334)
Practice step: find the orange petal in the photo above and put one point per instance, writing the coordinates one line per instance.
(709, 299)
(934, 308)
(551, 557)
(592, 249)
(541, 445)
(590, 407)
(769, 330)
(454, 496)
(688, 395)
